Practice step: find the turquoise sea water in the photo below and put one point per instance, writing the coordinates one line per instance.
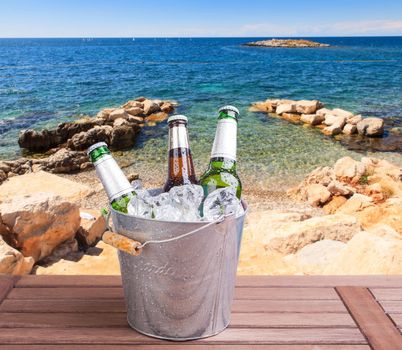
(46, 81)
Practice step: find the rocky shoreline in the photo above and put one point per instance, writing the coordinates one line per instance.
(62, 150)
(354, 131)
(288, 43)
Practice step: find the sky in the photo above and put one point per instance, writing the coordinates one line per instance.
(199, 18)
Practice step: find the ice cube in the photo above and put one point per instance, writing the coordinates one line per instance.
(186, 200)
(163, 208)
(222, 201)
(141, 204)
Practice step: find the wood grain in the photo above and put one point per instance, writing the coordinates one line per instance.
(370, 318)
(6, 285)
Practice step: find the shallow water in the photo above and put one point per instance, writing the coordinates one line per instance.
(45, 81)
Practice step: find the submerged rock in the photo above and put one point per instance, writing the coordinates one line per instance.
(371, 127)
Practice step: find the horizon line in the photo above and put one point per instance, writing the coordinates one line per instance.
(200, 37)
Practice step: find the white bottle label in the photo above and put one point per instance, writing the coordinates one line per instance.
(225, 142)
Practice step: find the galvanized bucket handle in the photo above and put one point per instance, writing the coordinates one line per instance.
(134, 247)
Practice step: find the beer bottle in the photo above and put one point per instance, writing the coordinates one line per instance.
(115, 183)
(221, 171)
(181, 167)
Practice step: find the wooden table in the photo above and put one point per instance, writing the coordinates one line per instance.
(281, 312)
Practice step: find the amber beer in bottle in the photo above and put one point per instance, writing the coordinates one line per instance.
(115, 183)
(181, 167)
(221, 171)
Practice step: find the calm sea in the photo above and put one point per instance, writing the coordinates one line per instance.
(46, 81)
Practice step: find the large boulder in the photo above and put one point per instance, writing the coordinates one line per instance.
(286, 108)
(349, 129)
(313, 119)
(342, 113)
(83, 140)
(150, 107)
(123, 136)
(331, 119)
(307, 107)
(368, 253)
(371, 127)
(118, 113)
(12, 262)
(348, 169)
(32, 183)
(292, 236)
(66, 161)
(39, 223)
(317, 194)
(38, 141)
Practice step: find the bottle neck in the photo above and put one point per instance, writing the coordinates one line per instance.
(97, 153)
(222, 163)
(112, 177)
(225, 142)
(178, 137)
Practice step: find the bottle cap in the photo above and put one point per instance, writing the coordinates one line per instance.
(95, 146)
(177, 117)
(229, 108)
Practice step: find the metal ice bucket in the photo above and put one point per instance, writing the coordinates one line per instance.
(181, 285)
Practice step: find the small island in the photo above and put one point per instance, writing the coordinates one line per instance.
(286, 43)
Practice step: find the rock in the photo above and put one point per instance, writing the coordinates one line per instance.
(3, 176)
(317, 194)
(349, 169)
(123, 136)
(312, 119)
(65, 161)
(322, 112)
(285, 108)
(32, 183)
(133, 104)
(150, 107)
(39, 223)
(342, 113)
(83, 140)
(332, 206)
(339, 189)
(306, 107)
(38, 141)
(332, 130)
(167, 107)
(291, 117)
(63, 250)
(132, 176)
(104, 113)
(136, 119)
(368, 253)
(120, 122)
(331, 119)
(356, 203)
(99, 260)
(156, 117)
(316, 257)
(293, 236)
(4, 167)
(118, 113)
(12, 262)
(349, 129)
(286, 43)
(93, 225)
(354, 119)
(135, 111)
(371, 127)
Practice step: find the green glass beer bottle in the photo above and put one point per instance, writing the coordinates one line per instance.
(115, 183)
(221, 171)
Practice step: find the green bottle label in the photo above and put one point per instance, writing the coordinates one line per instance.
(97, 153)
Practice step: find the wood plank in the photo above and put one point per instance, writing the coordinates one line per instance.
(370, 281)
(6, 285)
(186, 346)
(229, 336)
(392, 307)
(387, 294)
(118, 319)
(58, 281)
(117, 305)
(370, 318)
(397, 318)
(117, 293)
(285, 293)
